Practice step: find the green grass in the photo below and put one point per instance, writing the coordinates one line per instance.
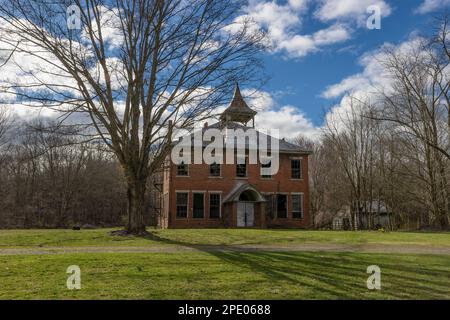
(101, 237)
(225, 275)
(222, 274)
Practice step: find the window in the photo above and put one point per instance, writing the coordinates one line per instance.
(214, 170)
(182, 204)
(270, 205)
(182, 169)
(281, 206)
(297, 206)
(296, 169)
(198, 205)
(214, 205)
(268, 165)
(241, 170)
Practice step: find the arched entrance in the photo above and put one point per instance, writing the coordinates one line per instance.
(244, 205)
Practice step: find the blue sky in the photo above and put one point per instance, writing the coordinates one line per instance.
(319, 51)
(300, 73)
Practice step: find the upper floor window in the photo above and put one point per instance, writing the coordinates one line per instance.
(214, 170)
(241, 170)
(296, 169)
(182, 169)
(267, 165)
(297, 206)
(182, 204)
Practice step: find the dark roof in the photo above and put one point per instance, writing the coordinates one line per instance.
(234, 117)
(238, 110)
(284, 146)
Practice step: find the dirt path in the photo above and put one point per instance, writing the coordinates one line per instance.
(369, 248)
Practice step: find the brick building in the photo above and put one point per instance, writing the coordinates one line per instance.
(237, 195)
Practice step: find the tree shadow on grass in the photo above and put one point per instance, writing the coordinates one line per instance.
(334, 275)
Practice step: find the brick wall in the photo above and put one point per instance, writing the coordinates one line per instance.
(199, 180)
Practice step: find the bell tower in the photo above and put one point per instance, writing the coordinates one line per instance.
(238, 110)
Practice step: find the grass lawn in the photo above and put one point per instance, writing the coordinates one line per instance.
(225, 275)
(101, 237)
(221, 274)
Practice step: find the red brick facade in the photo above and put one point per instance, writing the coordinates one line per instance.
(250, 201)
(199, 181)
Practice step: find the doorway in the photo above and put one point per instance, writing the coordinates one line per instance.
(245, 214)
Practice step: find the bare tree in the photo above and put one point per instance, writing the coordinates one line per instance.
(139, 69)
(352, 134)
(5, 123)
(418, 105)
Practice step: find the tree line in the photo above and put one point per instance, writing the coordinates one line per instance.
(52, 177)
(391, 145)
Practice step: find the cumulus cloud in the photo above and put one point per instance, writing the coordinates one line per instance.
(367, 84)
(349, 9)
(288, 119)
(431, 5)
(373, 75)
(298, 4)
(301, 45)
(282, 23)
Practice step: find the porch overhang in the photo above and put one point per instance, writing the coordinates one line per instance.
(244, 188)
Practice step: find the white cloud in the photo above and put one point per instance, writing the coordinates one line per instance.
(357, 81)
(288, 119)
(282, 23)
(367, 84)
(349, 9)
(431, 5)
(298, 4)
(374, 75)
(299, 45)
(110, 27)
(335, 33)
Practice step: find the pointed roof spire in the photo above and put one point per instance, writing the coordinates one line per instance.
(237, 91)
(238, 110)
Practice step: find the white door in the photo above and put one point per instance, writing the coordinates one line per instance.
(249, 214)
(245, 214)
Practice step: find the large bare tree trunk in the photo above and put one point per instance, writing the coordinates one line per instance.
(136, 207)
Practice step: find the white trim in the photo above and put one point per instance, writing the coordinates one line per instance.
(301, 169)
(302, 200)
(188, 170)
